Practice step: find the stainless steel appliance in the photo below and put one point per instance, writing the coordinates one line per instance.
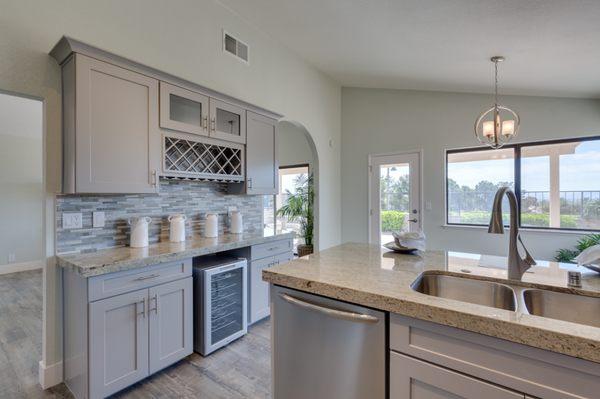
(220, 302)
(343, 344)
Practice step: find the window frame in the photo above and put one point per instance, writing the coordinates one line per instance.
(517, 178)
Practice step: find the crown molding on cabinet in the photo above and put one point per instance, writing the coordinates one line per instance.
(67, 45)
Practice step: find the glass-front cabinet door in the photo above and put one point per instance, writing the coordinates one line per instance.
(227, 121)
(183, 110)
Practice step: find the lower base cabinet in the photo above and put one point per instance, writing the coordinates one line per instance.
(415, 379)
(264, 256)
(116, 341)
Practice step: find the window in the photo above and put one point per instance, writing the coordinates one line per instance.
(289, 177)
(557, 183)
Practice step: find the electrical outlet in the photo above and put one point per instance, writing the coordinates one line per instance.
(428, 206)
(231, 209)
(12, 258)
(98, 219)
(72, 220)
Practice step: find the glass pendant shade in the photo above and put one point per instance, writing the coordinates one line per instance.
(498, 124)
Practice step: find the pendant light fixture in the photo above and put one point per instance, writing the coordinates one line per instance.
(497, 125)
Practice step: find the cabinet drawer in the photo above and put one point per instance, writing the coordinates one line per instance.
(118, 283)
(270, 248)
(523, 368)
(415, 379)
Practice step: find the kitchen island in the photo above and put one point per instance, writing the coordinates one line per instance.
(522, 352)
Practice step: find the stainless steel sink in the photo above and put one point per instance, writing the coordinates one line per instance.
(469, 290)
(568, 307)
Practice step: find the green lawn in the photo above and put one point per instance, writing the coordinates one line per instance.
(527, 219)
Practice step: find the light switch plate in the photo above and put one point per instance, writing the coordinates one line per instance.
(98, 219)
(72, 220)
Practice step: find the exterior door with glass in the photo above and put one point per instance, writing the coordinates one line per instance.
(394, 195)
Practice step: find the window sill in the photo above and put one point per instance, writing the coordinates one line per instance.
(525, 229)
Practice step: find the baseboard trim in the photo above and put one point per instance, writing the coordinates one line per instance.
(51, 375)
(21, 267)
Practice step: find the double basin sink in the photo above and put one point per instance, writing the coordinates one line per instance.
(551, 304)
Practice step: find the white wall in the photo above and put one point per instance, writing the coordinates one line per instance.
(21, 201)
(383, 121)
(293, 147)
(180, 37)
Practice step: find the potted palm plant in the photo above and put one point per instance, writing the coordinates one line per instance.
(298, 207)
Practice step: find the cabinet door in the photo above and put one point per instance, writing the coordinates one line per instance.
(183, 110)
(117, 139)
(171, 328)
(283, 258)
(118, 343)
(259, 289)
(261, 155)
(414, 379)
(227, 121)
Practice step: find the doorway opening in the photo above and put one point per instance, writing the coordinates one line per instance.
(394, 195)
(295, 207)
(21, 179)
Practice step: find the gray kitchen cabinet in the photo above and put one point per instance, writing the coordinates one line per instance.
(533, 372)
(183, 110)
(262, 257)
(227, 121)
(111, 142)
(262, 165)
(118, 343)
(415, 379)
(259, 289)
(171, 328)
(121, 327)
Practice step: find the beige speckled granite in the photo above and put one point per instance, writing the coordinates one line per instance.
(125, 258)
(372, 276)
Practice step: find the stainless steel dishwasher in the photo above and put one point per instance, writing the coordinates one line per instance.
(326, 349)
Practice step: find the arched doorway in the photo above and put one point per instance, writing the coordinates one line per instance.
(298, 178)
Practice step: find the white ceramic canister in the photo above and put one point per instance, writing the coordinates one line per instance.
(177, 227)
(211, 225)
(235, 222)
(139, 231)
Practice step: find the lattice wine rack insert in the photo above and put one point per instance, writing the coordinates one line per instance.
(199, 160)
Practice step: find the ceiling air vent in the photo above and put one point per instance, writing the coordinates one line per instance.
(235, 47)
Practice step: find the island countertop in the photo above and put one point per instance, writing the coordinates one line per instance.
(371, 276)
(125, 258)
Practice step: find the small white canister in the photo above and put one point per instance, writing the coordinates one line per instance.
(139, 231)
(235, 222)
(177, 228)
(211, 225)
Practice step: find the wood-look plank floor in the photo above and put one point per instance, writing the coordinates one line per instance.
(240, 370)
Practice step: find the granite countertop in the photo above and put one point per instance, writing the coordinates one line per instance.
(372, 276)
(124, 258)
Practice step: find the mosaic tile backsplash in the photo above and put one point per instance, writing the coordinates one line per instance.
(194, 199)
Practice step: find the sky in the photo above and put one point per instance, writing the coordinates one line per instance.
(578, 172)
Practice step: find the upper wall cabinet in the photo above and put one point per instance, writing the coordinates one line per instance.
(227, 121)
(261, 157)
(111, 142)
(191, 112)
(183, 110)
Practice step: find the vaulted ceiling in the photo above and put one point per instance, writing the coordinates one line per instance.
(552, 47)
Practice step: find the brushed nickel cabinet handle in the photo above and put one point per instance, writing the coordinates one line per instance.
(147, 277)
(213, 123)
(155, 308)
(143, 312)
(249, 183)
(338, 314)
(205, 122)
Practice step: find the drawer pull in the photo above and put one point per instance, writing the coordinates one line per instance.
(151, 276)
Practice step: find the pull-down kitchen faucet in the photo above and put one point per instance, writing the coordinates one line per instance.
(516, 264)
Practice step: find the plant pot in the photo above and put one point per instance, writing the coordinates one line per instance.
(304, 250)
